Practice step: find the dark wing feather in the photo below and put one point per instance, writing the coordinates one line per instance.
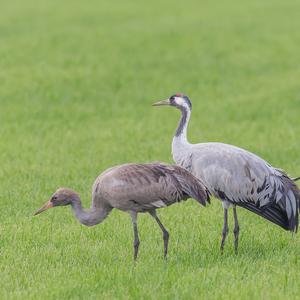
(283, 205)
(190, 185)
(272, 213)
(277, 200)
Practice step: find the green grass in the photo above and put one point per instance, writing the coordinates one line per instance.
(77, 81)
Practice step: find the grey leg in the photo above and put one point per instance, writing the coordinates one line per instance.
(136, 241)
(225, 229)
(236, 230)
(164, 230)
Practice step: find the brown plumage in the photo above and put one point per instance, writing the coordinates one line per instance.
(133, 188)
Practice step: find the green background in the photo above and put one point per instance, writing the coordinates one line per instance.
(77, 82)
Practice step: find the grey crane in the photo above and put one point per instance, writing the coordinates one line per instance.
(236, 176)
(133, 188)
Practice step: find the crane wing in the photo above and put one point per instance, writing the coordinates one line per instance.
(244, 179)
(154, 185)
(189, 184)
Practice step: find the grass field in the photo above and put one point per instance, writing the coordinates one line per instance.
(77, 82)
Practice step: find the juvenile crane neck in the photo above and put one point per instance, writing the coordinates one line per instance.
(91, 216)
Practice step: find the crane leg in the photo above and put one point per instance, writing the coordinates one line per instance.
(225, 229)
(236, 230)
(136, 241)
(164, 230)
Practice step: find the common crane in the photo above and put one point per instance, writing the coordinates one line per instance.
(133, 188)
(236, 176)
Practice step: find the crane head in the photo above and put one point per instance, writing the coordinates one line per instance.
(62, 197)
(178, 100)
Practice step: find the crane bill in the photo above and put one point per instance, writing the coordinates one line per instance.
(46, 206)
(163, 102)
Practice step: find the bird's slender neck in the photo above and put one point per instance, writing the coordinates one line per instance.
(181, 131)
(180, 142)
(89, 217)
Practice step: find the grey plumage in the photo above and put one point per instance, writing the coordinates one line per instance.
(236, 176)
(134, 188)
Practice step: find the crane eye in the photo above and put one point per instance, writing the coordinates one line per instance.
(54, 198)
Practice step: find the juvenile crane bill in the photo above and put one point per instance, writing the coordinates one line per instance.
(46, 206)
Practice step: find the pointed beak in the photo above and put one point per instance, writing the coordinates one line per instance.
(46, 206)
(163, 102)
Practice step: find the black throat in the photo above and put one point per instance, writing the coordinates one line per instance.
(183, 120)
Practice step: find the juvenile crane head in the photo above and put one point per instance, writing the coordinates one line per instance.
(178, 100)
(62, 197)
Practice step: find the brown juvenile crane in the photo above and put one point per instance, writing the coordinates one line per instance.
(133, 188)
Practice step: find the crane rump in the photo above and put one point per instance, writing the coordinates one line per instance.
(282, 207)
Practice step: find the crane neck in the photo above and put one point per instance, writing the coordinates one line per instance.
(91, 216)
(180, 144)
(181, 131)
